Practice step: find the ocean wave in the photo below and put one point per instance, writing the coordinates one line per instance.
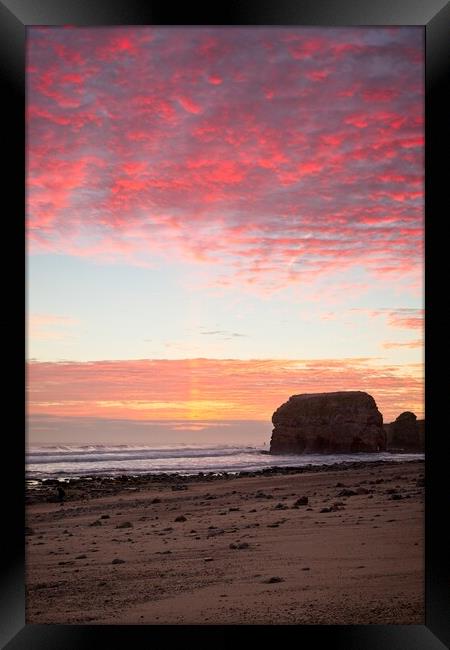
(186, 460)
(95, 456)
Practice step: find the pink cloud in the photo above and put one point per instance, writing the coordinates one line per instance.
(318, 75)
(379, 94)
(152, 141)
(215, 80)
(199, 389)
(305, 48)
(67, 54)
(115, 46)
(418, 343)
(309, 168)
(407, 318)
(403, 318)
(189, 105)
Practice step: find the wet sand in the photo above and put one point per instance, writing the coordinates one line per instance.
(232, 551)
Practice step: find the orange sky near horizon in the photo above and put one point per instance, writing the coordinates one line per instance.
(213, 389)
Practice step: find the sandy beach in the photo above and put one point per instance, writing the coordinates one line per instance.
(247, 550)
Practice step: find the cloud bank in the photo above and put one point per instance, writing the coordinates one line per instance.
(212, 389)
(277, 155)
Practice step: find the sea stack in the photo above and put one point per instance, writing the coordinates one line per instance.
(406, 434)
(328, 423)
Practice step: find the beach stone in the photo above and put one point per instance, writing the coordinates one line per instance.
(347, 493)
(340, 422)
(180, 518)
(273, 580)
(118, 561)
(303, 501)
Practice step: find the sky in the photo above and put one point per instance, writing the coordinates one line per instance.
(219, 218)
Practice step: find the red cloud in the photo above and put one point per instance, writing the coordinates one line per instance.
(189, 105)
(215, 80)
(318, 75)
(116, 45)
(307, 47)
(309, 168)
(50, 189)
(69, 55)
(379, 94)
(361, 121)
(194, 163)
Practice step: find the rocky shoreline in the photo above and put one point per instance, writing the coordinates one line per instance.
(45, 490)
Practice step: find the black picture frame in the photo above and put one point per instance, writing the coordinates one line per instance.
(433, 15)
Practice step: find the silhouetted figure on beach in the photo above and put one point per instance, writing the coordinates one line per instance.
(61, 494)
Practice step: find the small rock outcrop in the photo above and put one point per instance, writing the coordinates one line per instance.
(341, 422)
(406, 434)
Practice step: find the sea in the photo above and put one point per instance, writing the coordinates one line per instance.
(76, 461)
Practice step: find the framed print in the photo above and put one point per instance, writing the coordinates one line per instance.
(227, 283)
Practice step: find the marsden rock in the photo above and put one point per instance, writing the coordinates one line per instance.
(406, 434)
(342, 422)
